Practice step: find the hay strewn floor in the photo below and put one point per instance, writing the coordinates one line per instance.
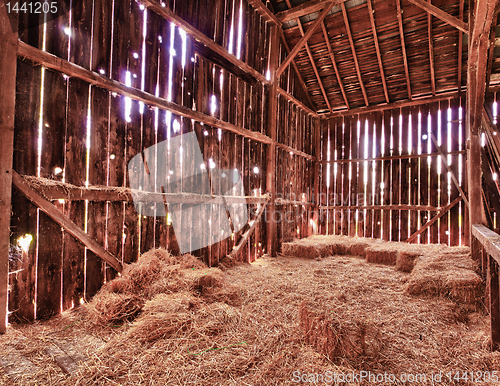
(242, 326)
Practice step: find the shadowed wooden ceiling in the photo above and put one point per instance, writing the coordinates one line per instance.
(367, 53)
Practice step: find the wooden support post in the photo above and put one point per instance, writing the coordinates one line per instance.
(494, 302)
(317, 150)
(8, 66)
(271, 226)
(479, 24)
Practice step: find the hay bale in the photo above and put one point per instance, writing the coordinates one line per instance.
(114, 308)
(382, 254)
(405, 260)
(300, 249)
(447, 276)
(359, 249)
(338, 337)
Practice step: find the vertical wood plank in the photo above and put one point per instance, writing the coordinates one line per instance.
(443, 177)
(377, 179)
(405, 172)
(414, 169)
(433, 174)
(395, 176)
(387, 176)
(424, 171)
(8, 65)
(454, 132)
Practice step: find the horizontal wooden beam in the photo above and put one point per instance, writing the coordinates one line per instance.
(304, 39)
(424, 208)
(489, 239)
(62, 220)
(440, 14)
(304, 9)
(387, 106)
(295, 152)
(55, 190)
(390, 157)
(441, 213)
(294, 100)
(263, 11)
(53, 62)
(167, 14)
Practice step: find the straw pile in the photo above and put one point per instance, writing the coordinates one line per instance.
(338, 337)
(259, 324)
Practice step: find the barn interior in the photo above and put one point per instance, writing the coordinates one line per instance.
(174, 172)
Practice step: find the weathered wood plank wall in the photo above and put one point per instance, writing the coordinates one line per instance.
(382, 175)
(71, 131)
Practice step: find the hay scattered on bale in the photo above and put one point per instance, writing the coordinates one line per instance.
(446, 274)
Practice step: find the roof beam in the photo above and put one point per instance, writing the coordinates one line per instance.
(431, 52)
(394, 105)
(332, 57)
(353, 49)
(296, 68)
(460, 48)
(377, 49)
(304, 9)
(311, 59)
(263, 11)
(440, 14)
(304, 39)
(403, 47)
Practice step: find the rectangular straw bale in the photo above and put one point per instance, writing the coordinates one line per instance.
(381, 255)
(405, 260)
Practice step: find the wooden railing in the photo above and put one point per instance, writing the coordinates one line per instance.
(486, 249)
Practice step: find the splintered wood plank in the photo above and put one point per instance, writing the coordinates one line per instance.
(339, 170)
(368, 173)
(433, 174)
(65, 362)
(346, 186)
(354, 167)
(405, 172)
(98, 158)
(81, 27)
(377, 179)
(396, 176)
(444, 199)
(75, 169)
(414, 170)
(387, 176)
(455, 129)
(329, 175)
(50, 246)
(424, 171)
(17, 366)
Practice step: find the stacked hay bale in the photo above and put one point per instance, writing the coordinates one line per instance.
(448, 274)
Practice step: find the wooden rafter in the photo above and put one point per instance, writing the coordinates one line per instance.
(431, 52)
(440, 14)
(353, 49)
(460, 48)
(377, 49)
(386, 106)
(403, 47)
(61, 219)
(304, 9)
(313, 64)
(332, 58)
(304, 39)
(297, 71)
(263, 11)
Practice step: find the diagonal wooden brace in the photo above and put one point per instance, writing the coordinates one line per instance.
(61, 219)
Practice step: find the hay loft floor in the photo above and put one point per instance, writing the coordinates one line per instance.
(171, 321)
